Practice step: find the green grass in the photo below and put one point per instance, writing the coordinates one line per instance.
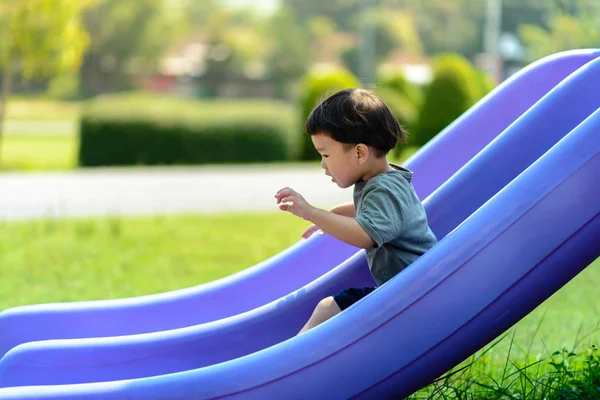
(58, 260)
(549, 354)
(88, 259)
(38, 153)
(497, 374)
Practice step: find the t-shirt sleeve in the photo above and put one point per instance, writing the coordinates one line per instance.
(380, 215)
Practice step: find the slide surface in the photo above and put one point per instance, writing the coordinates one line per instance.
(303, 262)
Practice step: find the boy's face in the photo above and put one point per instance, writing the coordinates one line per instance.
(341, 164)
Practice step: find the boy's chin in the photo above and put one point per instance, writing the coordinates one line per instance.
(342, 186)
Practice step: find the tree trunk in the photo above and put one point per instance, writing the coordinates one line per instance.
(4, 94)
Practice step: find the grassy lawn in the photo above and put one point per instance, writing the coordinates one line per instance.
(87, 259)
(41, 109)
(38, 152)
(48, 261)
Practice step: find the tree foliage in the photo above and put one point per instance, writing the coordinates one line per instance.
(564, 33)
(41, 38)
(127, 38)
(342, 12)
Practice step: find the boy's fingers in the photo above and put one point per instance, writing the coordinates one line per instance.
(311, 231)
(288, 199)
(283, 192)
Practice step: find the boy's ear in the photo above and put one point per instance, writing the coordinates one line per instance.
(362, 153)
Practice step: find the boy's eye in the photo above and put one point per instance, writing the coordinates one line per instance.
(325, 155)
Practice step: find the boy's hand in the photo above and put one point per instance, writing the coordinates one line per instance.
(311, 230)
(293, 202)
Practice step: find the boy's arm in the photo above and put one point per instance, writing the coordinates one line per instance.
(341, 227)
(345, 209)
(346, 229)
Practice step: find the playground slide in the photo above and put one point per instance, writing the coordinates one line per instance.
(303, 262)
(516, 250)
(91, 360)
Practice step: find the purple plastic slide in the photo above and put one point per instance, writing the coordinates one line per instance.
(513, 252)
(106, 359)
(303, 262)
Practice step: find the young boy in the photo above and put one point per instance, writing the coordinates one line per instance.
(354, 130)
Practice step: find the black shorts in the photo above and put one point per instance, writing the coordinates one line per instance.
(346, 298)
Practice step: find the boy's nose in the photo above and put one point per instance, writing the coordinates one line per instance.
(323, 164)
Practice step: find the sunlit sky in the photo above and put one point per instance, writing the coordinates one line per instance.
(263, 5)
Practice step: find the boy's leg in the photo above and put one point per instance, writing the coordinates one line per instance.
(326, 309)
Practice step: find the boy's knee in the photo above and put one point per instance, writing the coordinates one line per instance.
(327, 307)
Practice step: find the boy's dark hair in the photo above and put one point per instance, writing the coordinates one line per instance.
(354, 116)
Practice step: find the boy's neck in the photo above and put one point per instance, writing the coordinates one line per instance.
(379, 166)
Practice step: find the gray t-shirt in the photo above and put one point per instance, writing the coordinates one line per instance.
(389, 210)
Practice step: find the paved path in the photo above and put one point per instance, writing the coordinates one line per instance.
(147, 191)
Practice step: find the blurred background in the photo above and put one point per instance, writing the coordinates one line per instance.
(226, 83)
(161, 82)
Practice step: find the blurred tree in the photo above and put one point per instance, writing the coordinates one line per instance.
(342, 12)
(41, 37)
(238, 48)
(219, 59)
(394, 31)
(289, 55)
(541, 13)
(197, 13)
(564, 33)
(450, 26)
(128, 38)
(518, 12)
(321, 33)
(245, 45)
(442, 25)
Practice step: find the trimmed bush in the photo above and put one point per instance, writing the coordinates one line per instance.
(403, 109)
(318, 85)
(397, 81)
(485, 83)
(154, 130)
(453, 91)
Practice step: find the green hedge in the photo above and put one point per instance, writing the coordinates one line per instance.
(485, 82)
(143, 129)
(403, 97)
(317, 85)
(396, 80)
(454, 89)
(403, 109)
